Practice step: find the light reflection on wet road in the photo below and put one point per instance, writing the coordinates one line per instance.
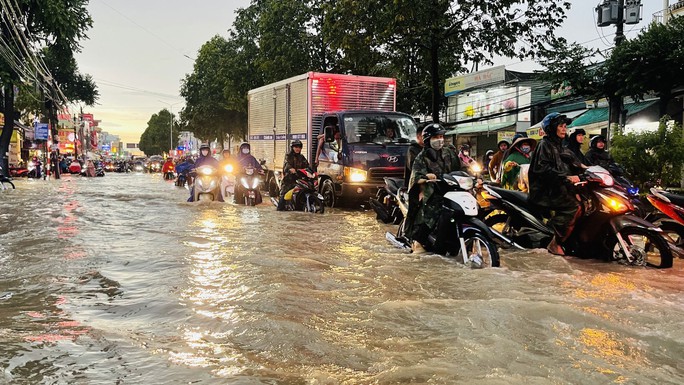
(118, 280)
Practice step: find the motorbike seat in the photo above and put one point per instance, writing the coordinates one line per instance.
(517, 197)
(674, 198)
(394, 184)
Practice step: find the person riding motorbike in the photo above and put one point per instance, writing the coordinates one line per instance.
(465, 158)
(205, 159)
(168, 166)
(294, 160)
(520, 154)
(597, 154)
(552, 179)
(425, 204)
(246, 159)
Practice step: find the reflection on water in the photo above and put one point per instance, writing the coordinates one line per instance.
(128, 283)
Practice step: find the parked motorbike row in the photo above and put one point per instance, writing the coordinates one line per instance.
(478, 220)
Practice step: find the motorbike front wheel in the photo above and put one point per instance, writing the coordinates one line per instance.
(314, 205)
(646, 245)
(481, 251)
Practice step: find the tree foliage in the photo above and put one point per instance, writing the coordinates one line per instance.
(418, 42)
(653, 61)
(652, 157)
(53, 29)
(158, 135)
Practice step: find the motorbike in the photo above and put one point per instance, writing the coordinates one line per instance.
(5, 180)
(623, 184)
(459, 232)
(304, 196)
(247, 191)
(18, 172)
(387, 199)
(206, 183)
(34, 169)
(669, 217)
(169, 175)
(606, 228)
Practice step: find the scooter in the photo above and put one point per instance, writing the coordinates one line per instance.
(606, 229)
(207, 183)
(459, 232)
(247, 191)
(5, 180)
(304, 196)
(669, 217)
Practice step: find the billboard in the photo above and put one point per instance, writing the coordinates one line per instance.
(42, 131)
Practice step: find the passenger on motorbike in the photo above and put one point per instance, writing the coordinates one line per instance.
(168, 166)
(597, 154)
(574, 144)
(294, 160)
(520, 154)
(425, 204)
(551, 181)
(495, 163)
(414, 149)
(205, 159)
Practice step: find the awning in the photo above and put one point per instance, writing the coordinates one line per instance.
(478, 128)
(569, 114)
(599, 115)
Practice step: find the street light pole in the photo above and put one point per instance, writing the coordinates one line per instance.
(171, 124)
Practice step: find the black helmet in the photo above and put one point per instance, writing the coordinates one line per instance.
(245, 145)
(431, 130)
(296, 143)
(579, 131)
(205, 145)
(551, 122)
(464, 147)
(596, 139)
(489, 152)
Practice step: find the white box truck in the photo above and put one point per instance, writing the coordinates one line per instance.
(364, 138)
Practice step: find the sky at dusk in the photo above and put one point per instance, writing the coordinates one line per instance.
(139, 51)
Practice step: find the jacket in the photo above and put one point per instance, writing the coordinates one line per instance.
(548, 172)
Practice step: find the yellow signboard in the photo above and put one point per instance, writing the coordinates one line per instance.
(2, 119)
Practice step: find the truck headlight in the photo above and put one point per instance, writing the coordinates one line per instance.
(355, 174)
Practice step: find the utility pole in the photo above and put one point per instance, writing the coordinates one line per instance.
(613, 12)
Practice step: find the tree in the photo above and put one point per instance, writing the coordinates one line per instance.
(652, 156)
(208, 111)
(158, 135)
(27, 24)
(443, 37)
(653, 61)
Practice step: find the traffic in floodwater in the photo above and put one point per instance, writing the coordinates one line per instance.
(120, 280)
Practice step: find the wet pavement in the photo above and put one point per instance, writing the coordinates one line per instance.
(119, 280)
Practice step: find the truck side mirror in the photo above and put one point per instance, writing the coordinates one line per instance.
(329, 136)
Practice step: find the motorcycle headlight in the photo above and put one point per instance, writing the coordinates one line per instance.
(255, 183)
(228, 168)
(614, 203)
(206, 170)
(633, 191)
(244, 182)
(355, 174)
(476, 168)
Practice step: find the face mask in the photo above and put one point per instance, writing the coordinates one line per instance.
(525, 149)
(437, 144)
(245, 150)
(466, 153)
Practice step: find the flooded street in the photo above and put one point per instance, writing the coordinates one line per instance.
(119, 280)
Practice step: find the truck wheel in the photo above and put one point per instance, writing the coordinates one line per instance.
(328, 192)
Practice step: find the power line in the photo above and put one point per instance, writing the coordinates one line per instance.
(146, 30)
(131, 88)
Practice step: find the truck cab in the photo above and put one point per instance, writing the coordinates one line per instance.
(355, 150)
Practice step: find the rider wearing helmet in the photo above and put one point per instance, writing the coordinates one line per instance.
(205, 159)
(246, 158)
(551, 180)
(294, 160)
(435, 160)
(464, 157)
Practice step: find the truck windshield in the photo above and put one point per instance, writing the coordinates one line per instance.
(379, 128)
